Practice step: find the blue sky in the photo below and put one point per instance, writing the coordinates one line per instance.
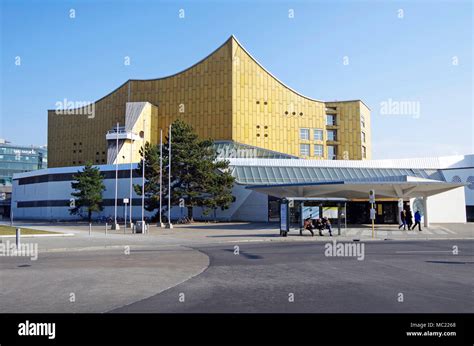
(416, 52)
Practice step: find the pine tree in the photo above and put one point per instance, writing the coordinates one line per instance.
(89, 185)
(197, 178)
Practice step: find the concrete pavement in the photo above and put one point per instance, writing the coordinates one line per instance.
(409, 276)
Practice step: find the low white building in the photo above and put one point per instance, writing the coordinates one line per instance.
(441, 188)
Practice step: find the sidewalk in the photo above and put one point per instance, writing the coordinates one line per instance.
(221, 233)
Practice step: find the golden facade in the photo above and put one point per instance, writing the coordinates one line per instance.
(226, 96)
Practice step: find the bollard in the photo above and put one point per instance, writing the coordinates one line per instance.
(106, 225)
(90, 229)
(18, 235)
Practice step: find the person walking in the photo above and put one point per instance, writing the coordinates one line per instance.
(417, 220)
(403, 219)
(409, 219)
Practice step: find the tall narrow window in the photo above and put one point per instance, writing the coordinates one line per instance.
(363, 137)
(318, 135)
(304, 134)
(332, 152)
(330, 119)
(304, 149)
(362, 121)
(318, 150)
(364, 152)
(332, 135)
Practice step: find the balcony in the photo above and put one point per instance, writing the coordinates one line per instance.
(121, 133)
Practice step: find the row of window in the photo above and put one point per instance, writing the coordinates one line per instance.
(318, 134)
(305, 150)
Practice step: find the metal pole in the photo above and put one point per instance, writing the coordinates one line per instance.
(116, 176)
(90, 229)
(18, 236)
(131, 179)
(11, 212)
(125, 218)
(345, 215)
(161, 174)
(170, 225)
(143, 175)
(106, 225)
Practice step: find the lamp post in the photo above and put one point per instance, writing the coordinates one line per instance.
(170, 225)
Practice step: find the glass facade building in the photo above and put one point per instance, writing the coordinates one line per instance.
(18, 159)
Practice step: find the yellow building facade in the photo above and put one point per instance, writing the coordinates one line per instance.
(226, 96)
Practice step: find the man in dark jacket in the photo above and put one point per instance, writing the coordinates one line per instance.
(417, 220)
(409, 218)
(403, 220)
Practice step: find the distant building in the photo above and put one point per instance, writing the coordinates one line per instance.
(17, 159)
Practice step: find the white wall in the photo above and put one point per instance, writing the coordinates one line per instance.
(447, 207)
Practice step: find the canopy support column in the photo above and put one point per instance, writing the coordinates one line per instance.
(425, 208)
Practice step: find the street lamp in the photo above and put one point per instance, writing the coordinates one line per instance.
(116, 226)
(161, 175)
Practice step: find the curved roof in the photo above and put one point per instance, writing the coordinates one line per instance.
(232, 37)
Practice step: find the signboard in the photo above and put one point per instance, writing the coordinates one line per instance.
(3, 196)
(284, 224)
(125, 201)
(372, 213)
(310, 212)
(372, 196)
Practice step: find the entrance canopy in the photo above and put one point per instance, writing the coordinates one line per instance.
(388, 187)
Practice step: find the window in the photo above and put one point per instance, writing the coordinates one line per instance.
(318, 135)
(363, 137)
(304, 134)
(332, 135)
(330, 119)
(362, 121)
(364, 152)
(332, 152)
(318, 150)
(304, 149)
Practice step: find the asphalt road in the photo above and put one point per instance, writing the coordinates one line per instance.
(394, 276)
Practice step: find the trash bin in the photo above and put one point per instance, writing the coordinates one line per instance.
(141, 227)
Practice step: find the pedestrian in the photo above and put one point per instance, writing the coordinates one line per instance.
(308, 225)
(403, 220)
(327, 225)
(409, 218)
(319, 225)
(417, 220)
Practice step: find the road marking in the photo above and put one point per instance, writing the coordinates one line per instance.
(412, 251)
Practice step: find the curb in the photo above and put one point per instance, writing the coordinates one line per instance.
(39, 235)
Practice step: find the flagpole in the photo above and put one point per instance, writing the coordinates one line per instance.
(131, 178)
(161, 175)
(143, 178)
(116, 227)
(170, 225)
